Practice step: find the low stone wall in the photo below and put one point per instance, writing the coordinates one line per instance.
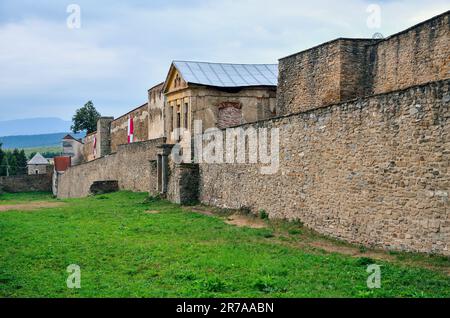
(26, 183)
(372, 172)
(183, 183)
(130, 166)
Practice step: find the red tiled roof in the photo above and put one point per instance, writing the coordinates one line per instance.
(62, 163)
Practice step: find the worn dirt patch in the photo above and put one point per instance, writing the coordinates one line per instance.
(245, 221)
(314, 245)
(235, 219)
(350, 251)
(152, 212)
(200, 210)
(373, 254)
(30, 206)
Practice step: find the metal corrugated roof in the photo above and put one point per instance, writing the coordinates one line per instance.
(38, 159)
(228, 75)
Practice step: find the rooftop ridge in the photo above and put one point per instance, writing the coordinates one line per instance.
(226, 75)
(220, 63)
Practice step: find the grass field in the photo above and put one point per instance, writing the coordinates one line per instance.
(127, 246)
(53, 149)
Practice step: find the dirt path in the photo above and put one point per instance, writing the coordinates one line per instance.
(29, 206)
(233, 219)
(245, 221)
(317, 244)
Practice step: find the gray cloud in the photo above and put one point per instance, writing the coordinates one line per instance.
(123, 49)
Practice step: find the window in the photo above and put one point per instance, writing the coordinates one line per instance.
(177, 81)
(170, 119)
(178, 116)
(178, 124)
(186, 115)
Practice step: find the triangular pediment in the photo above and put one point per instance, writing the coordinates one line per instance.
(174, 81)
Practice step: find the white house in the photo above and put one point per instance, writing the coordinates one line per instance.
(38, 165)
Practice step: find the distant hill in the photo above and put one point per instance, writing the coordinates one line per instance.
(33, 126)
(35, 141)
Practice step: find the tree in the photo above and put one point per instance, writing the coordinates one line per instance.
(86, 119)
(1, 152)
(4, 166)
(22, 162)
(13, 162)
(50, 154)
(2, 156)
(13, 168)
(8, 164)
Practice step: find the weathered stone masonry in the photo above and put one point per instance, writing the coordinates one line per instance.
(26, 183)
(119, 127)
(368, 169)
(131, 166)
(372, 172)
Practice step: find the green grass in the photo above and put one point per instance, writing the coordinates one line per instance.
(124, 252)
(14, 198)
(55, 149)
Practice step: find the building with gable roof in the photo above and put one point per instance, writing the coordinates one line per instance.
(219, 94)
(73, 148)
(38, 165)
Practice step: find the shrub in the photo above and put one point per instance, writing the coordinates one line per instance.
(213, 285)
(362, 249)
(263, 215)
(268, 285)
(266, 234)
(151, 199)
(365, 261)
(245, 210)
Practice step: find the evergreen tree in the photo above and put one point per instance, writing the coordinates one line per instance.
(22, 162)
(2, 156)
(13, 163)
(3, 166)
(12, 160)
(1, 153)
(6, 168)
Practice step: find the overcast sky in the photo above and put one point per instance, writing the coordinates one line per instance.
(125, 47)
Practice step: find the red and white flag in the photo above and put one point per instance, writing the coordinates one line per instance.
(95, 146)
(130, 130)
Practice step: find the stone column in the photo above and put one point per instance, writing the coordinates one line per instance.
(164, 172)
(187, 177)
(163, 167)
(159, 175)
